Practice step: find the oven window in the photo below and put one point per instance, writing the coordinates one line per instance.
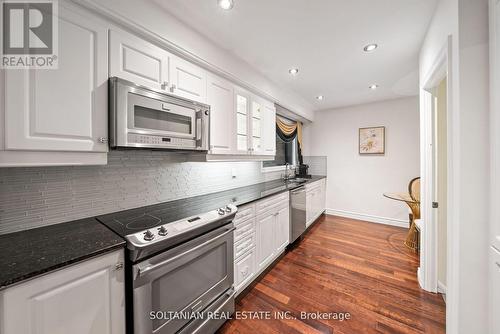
(152, 119)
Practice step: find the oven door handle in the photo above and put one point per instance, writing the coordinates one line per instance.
(154, 266)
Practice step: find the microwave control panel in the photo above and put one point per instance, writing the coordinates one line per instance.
(160, 141)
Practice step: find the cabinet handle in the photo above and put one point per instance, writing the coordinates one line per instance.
(164, 85)
(172, 88)
(102, 140)
(119, 266)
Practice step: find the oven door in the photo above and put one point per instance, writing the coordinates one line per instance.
(150, 116)
(187, 279)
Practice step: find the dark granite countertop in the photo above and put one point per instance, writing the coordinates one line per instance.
(30, 253)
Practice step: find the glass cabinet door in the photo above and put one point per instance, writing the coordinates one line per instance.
(256, 126)
(242, 122)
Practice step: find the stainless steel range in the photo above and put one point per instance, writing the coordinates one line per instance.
(179, 271)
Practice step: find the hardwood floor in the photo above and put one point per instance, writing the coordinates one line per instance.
(344, 265)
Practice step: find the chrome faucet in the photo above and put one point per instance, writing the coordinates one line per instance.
(287, 175)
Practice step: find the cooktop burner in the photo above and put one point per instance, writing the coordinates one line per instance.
(142, 222)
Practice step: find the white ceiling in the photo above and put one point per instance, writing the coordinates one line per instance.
(324, 39)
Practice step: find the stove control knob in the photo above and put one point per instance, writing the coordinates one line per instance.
(148, 235)
(221, 211)
(162, 231)
(228, 209)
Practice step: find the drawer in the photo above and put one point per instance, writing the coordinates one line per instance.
(244, 229)
(244, 213)
(244, 245)
(244, 269)
(314, 185)
(268, 203)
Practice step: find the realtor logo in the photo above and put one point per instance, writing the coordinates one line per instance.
(29, 35)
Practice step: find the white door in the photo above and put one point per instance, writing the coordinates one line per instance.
(242, 102)
(268, 130)
(86, 298)
(220, 97)
(136, 60)
(188, 80)
(265, 239)
(282, 228)
(64, 109)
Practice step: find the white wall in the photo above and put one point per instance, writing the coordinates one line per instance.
(466, 21)
(356, 182)
(153, 18)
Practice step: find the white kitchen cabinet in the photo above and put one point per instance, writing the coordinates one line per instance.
(220, 97)
(282, 228)
(268, 129)
(187, 80)
(85, 298)
(244, 270)
(242, 109)
(495, 290)
(64, 109)
(255, 125)
(141, 62)
(136, 60)
(315, 200)
(265, 239)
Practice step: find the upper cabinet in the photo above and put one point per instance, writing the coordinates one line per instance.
(141, 62)
(255, 124)
(138, 61)
(220, 97)
(60, 110)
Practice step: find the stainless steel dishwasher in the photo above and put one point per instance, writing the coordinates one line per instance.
(298, 212)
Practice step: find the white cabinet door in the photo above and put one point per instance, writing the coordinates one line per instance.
(255, 123)
(64, 109)
(244, 270)
(86, 298)
(136, 60)
(268, 129)
(188, 80)
(282, 228)
(220, 97)
(265, 239)
(309, 207)
(242, 109)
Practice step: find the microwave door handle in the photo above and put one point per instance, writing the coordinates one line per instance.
(198, 129)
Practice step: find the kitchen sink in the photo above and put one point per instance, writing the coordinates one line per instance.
(297, 180)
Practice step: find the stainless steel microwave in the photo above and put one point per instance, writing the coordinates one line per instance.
(144, 118)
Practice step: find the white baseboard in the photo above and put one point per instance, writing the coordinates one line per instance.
(419, 278)
(368, 218)
(441, 288)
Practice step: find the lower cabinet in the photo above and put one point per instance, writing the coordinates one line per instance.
(85, 298)
(262, 234)
(315, 200)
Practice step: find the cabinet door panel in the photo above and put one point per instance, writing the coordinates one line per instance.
(139, 61)
(242, 101)
(244, 269)
(282, 228)
(188, 80)
(268, 131)
(265, 242)
(63, 109)
(87, 298)
(220, 97)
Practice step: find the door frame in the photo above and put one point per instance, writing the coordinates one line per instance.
(427, 272)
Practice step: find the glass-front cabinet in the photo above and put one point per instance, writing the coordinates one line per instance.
(255, 124)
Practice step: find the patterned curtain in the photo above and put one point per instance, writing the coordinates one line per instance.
(288, 130)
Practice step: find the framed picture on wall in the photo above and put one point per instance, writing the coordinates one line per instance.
(372, 140)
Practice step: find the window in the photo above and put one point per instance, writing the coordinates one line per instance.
(285, 153)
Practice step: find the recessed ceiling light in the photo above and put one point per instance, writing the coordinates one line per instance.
(373, 87)
(293, 71)
(320, 97)
(370, 47)
(225, 4)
